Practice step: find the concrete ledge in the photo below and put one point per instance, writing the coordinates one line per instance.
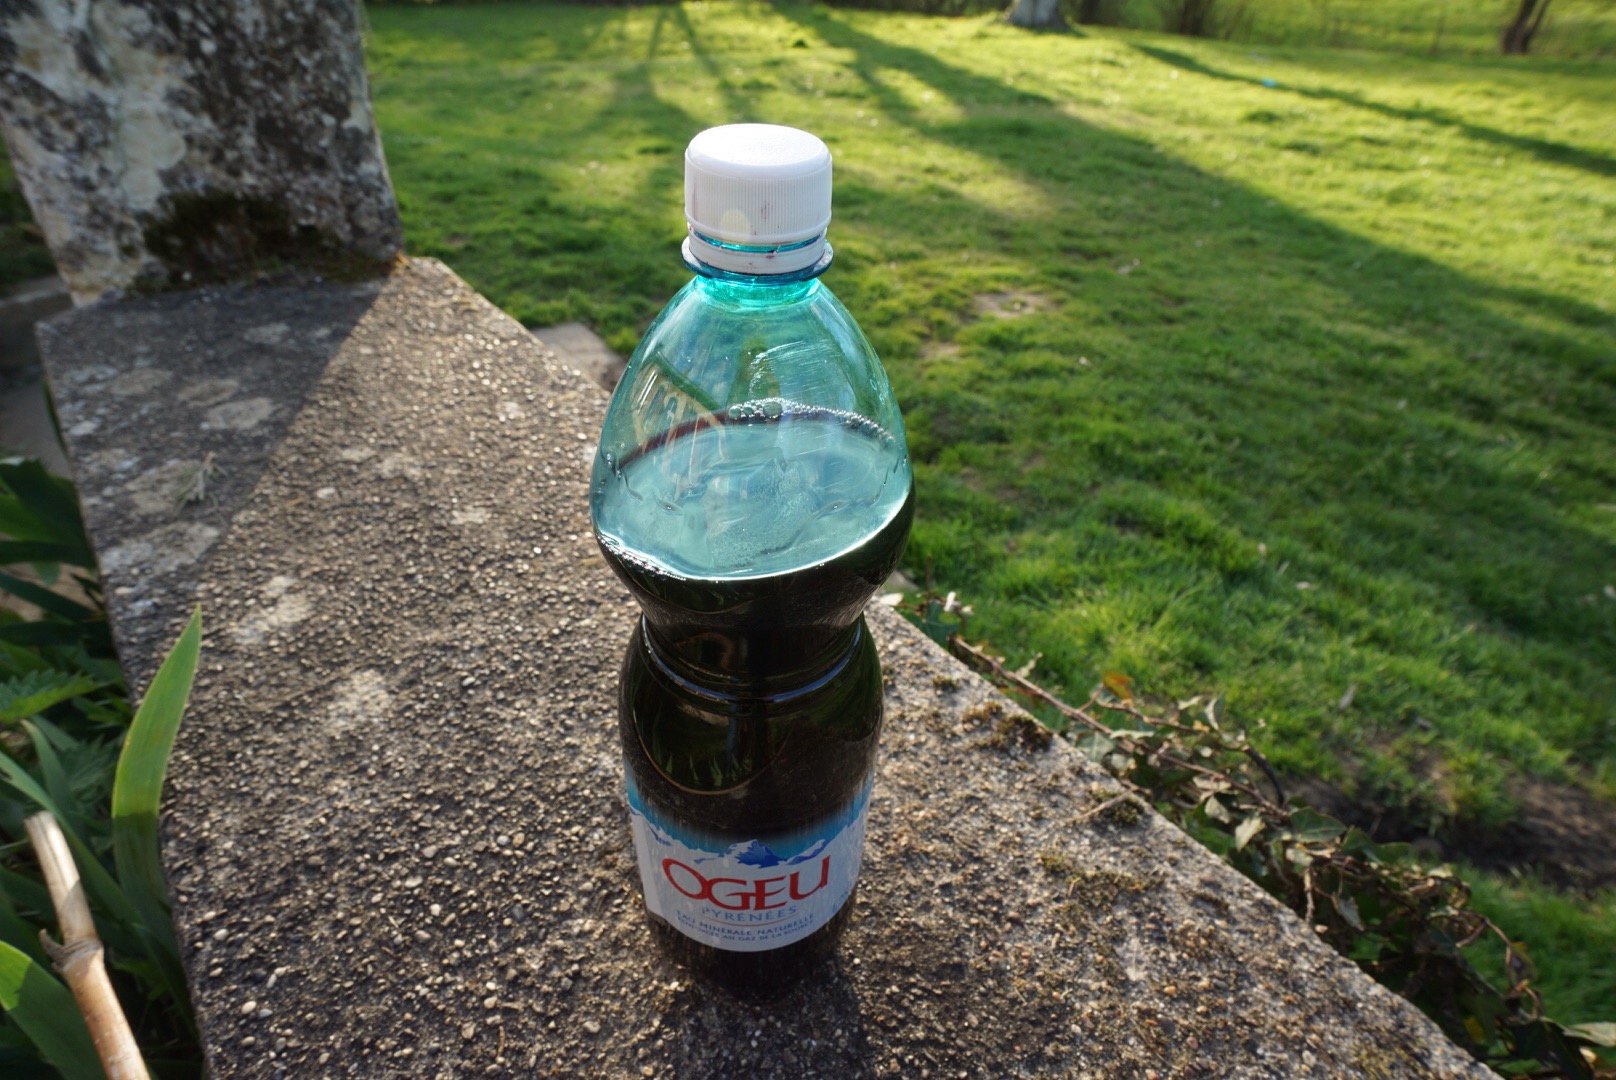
(396, 833)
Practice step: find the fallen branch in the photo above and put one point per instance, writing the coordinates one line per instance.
(993, 668)
(79, 957)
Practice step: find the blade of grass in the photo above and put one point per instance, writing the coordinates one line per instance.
(98, 883)
(137, 793)
(55, 777)
(60, 739)
(42, 1007)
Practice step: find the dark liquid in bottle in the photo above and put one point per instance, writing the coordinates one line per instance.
(752, 707)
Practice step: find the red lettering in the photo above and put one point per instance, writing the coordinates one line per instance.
(744, 898)
(824, 876)
(740, 899)
(761, 894)
(667, 871)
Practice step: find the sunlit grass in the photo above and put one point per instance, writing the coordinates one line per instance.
(1572, 28)
(1274, 372)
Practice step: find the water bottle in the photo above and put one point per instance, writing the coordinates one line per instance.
(753, 490)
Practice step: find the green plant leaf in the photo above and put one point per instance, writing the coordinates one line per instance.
(36, 551)
(97, 882)
(43, 633)
(14, 659)
(137, 792)
(48, 508)
(1310, 826)
(934, 626)
(1602, 1034)
(55, 777)
(47, 601)
(24, 892)
(16, 931)
(1349, 911)
(27, 695)
(42, 1007)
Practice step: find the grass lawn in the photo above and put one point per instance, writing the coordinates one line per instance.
(1282, 372)
(1571, 29)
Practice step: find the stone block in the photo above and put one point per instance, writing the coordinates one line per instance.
(162, 143)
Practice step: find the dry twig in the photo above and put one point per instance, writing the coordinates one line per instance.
(983, 662)
(79, 957)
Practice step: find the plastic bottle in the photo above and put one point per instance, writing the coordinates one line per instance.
(753, 490)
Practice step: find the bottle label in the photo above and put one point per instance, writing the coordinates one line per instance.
(756, 893)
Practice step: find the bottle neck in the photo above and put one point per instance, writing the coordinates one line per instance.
(695, 246)
(715, 668)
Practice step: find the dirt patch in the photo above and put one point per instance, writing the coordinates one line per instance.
(939, 350)
(1563, 833)
(1008, 305)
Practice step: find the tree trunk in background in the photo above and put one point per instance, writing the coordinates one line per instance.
(1516, 38)
(163, 143)
(1037, 14)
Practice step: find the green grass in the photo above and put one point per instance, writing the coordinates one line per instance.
(1316, 390)
(1313, 384)
(1572, 28)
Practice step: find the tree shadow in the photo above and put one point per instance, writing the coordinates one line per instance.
(1281, 421)
(1335, 454)
(1542, 149)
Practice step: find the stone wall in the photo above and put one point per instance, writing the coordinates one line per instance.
(172, 142)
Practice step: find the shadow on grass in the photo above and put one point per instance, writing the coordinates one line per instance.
(1542, 149)
(1310, 438)
(1253, 389)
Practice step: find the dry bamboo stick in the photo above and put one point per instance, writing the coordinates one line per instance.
(79, 957)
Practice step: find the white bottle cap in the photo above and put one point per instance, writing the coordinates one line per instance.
(757, 197)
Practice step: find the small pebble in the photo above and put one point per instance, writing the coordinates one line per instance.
(249, 1008)
(592, 1026)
